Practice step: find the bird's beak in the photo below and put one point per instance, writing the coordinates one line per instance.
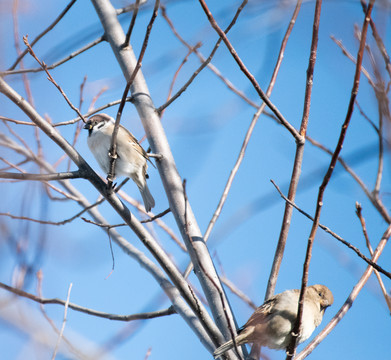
(87, 126)
(325, 305)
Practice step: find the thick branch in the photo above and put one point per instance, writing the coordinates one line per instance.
(166, 165)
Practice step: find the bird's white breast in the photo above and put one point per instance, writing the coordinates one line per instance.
(99, 144)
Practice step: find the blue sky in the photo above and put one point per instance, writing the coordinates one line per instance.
(205, 128)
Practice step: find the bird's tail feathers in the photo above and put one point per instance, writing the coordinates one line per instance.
(240, 340)
(149, 201)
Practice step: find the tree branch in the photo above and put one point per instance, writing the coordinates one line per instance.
(247, 73)
(82, 309)
(166, 165)
(43, 177)
(319, 203)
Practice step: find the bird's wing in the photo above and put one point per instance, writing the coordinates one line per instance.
(136, 146)
(260, 314)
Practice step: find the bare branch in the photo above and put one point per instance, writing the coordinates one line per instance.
(333, 234)
(56, 64)
(50, 78)
(205, 62)
(364, 230)
(351, 57)
(93, 111)
(43, 177)
(379, 41)
(63, 322)
(132, 22)
(375, 200)
(166, 166)
(139, 316)
(247, 73)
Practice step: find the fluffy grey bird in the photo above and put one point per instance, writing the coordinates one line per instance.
(271, 323)
(131, 160)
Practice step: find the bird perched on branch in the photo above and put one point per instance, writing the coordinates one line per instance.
(271, 324)
(131, 157)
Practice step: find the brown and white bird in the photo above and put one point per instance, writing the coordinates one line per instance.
(271, 323)
(131, 160)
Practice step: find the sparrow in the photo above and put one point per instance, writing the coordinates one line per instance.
(131, 157)
(271, 324)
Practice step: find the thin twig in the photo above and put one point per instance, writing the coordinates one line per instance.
(153, 218)
(50, 78)
(63, 322)
(206, 62)
(375, 200)
(41, 300)
(240, 294)
(364, 230)
(58, 63)
(249, 132)
(379, 41)
(351, 57)
(128, 8)
(202, 59)
(91, 112)
(132, 22)
(26, 82)
(48, 319)
(51, 26)
(332, 233)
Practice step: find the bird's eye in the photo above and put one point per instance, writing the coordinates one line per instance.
(320, 294)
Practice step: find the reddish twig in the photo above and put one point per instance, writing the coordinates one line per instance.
(291, 349)
(333, 234)
(132, 22)
(379, 41)
(351, 57)
(374, 200)
(247, 73)
(249, 133)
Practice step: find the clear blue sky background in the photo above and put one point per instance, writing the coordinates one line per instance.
(205, 127)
